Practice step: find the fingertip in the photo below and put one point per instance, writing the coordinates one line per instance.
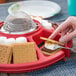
(63, 40)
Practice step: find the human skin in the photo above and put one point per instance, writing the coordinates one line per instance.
(67, 30)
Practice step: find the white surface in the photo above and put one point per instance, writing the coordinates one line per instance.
(46, 24)
(10, 41)
(21, 40)
(4, 40)
(37, 8)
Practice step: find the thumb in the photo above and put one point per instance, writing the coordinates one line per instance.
(68, 37)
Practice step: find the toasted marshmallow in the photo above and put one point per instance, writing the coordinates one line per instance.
(2, 40)
(21, 39)
(10, 41)
(52, 46)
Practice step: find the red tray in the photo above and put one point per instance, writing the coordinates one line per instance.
(43, 61)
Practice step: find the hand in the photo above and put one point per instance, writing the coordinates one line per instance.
(67, 29)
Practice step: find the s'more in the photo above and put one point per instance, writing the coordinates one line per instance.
(51, 46)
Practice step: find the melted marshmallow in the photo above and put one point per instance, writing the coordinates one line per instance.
(52, 46)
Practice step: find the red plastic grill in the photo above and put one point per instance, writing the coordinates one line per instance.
(43, 61)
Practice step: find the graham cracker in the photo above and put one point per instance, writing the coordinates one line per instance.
(5, 54)
(24, 52)
(49, 52)
(52, 41)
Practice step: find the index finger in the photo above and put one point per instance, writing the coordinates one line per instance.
(60, 28)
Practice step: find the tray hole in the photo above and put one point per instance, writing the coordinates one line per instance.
(41, 44)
